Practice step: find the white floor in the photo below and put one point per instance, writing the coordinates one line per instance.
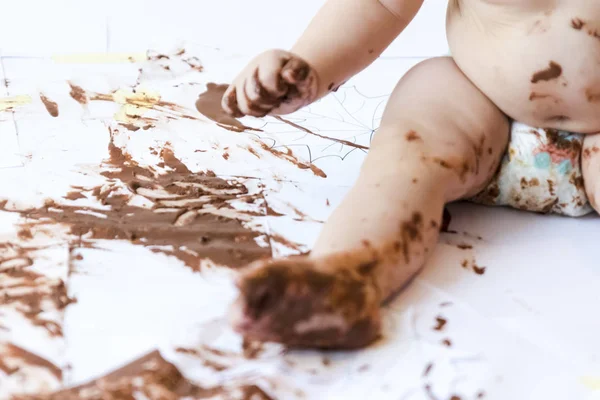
(526, 329)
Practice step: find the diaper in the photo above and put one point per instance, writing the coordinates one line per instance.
(540, 172)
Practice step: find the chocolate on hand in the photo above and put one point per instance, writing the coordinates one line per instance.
(299, 302)
(276, 82)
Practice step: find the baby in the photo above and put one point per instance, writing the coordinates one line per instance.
(510, 118)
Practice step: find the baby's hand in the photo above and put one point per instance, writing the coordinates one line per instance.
(275, 82)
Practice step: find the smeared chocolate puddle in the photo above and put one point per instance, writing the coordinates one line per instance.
(209, 105)
(178, 223)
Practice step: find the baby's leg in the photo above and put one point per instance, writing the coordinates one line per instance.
(440, 140)
(590, 167)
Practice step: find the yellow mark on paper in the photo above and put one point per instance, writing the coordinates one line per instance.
(10, 103)
(99, 58)
(134, 105)
(590, 382)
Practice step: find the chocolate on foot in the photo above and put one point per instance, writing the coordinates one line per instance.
(302, 302)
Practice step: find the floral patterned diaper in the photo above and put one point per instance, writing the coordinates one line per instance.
(541, 172)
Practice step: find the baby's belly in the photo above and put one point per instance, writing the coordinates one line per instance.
(542, 69)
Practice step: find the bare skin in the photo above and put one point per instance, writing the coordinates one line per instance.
(533, 61)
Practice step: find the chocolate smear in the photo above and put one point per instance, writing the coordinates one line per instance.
(278, 239)
(427, 370)
(440, 324)
(562, 143)
(209, 105)
(150, 377)
(592, 96)
(271, 212)
(154, 378)
(25, 233)
(30, 293)
(13, 354)
(412, 136)
(182, 221)
(194, 63)
(410, 231)
(204, 355)
(577, 23)
(535, 96)
(130, 127)
(252, 349)
(74, 195)
(478, 270)
(290, 157)
(50, 105)
(553, 71)
(78, 94)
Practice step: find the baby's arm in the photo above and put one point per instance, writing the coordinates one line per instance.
(342, 39)
(348, 35)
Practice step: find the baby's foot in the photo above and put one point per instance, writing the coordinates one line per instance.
(303, 302)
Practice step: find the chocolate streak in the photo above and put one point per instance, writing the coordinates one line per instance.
(290, 157)
(20, 355)
(341, 141)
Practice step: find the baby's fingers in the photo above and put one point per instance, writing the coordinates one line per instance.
(295, 71)
(259, 95)
(229, 102)
(269, 75)
(247, 106)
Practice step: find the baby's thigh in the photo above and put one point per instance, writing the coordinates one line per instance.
(436, 116)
